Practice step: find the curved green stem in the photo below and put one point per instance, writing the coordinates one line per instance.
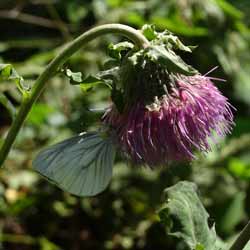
(242, 239)
(55, 64)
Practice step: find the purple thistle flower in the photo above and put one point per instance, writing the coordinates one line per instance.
(174, 124)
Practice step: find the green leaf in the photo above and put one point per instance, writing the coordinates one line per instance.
(7, 72)
(149, 32)
(174, 41)
(88, 83)
(170, 60)
(166, 37)
(115, 50)
(91, 81)
(184, 214)
(109, 74)
(75, 77)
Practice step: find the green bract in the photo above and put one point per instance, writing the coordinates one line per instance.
(169, 60)
(128, 65)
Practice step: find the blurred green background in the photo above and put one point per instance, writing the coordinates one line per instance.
(37, 215)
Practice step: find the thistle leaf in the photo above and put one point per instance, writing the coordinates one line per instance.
(115, 50)
(186, 217)
(149, 32)
(75, 77)
(166, 38)
(169, 60)
(174, 41)
(87, 83)
(7, 72)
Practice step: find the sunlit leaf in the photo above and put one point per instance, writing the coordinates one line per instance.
(166, 37)
(90, 82)
(149, 32)
(75, 77)
(170, 60)
(115, 50)
(185, 217)
(7, 72)
(86, 84)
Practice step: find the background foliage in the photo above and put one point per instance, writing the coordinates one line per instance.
(35, 214)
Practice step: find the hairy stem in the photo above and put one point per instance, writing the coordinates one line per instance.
(55, 64)
(242, 239)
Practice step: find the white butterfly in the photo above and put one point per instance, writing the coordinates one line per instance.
(81, 165)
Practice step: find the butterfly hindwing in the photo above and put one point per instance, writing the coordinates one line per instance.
(81, 165)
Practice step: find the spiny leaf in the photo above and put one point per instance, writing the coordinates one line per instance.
(115, 50)
(149, 31)
(75, 77)
(166, 38)
(184, 215)
(7, 72)
(86, 84)
(109, 74)
(174, 41)
(90, 82)
(170, 60)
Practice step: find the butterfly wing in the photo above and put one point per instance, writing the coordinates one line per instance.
(81, 165)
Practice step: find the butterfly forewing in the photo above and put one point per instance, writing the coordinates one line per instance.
(81, 165)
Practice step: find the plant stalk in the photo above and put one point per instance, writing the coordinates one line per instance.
(136, 36)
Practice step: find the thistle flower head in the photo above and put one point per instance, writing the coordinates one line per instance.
(174, 124)
(167, 110)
